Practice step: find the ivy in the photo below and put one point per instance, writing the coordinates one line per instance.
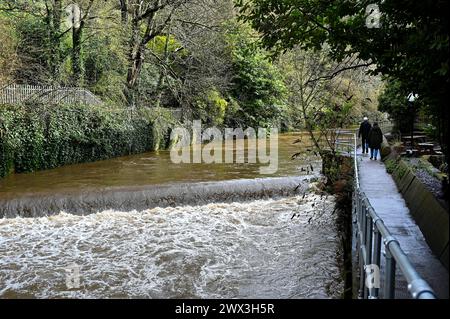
(36, 137)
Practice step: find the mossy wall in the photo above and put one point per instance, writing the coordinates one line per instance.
(36, 136)
(429, 213)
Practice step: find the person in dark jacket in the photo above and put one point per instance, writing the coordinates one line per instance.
(375, 139)
(363, 133)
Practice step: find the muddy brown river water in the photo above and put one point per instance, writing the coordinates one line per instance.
(263, 243)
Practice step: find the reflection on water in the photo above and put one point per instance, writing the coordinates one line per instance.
(151, 169)
(255, 249)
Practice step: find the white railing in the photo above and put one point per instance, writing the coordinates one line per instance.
(18, 94)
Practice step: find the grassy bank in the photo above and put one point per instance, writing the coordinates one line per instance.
(36, 136)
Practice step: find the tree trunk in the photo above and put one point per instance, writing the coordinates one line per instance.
(54, 24)
(162, 75)
(76, 54)
(124, 11)
(134, 71)
(137, 44)
(136, 57)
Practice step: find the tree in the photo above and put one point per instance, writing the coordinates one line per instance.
(37, 24)
(392, 101)
(202, 59)
(41, 25)
(324, 101)
(257, 85)
(410, 42)
(79, 19)
(8, 55)
(149, 19)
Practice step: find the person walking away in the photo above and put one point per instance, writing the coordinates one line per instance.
(363, 133)
(375, 139)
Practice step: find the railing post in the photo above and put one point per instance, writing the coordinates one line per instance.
(367, 291)
(363, 254)
(358, 238)
(389, 279)
(376, 259)
(362, 272)
(364, 223)
(368, 238)
(360, 211)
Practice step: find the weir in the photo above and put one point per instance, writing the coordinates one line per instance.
(84, 202)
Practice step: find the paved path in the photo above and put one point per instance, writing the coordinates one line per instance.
(389, 204)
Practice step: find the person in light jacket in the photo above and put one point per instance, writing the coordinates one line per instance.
(375, 138)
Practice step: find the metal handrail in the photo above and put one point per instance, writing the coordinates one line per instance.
(372, 234)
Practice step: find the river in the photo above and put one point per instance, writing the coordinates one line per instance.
(242, 235)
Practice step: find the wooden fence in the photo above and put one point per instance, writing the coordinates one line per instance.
(17, 94)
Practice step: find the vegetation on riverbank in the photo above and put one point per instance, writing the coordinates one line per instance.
(189, 55)
(340, 178)
(196, 57)
(405, 41)
(37, 136)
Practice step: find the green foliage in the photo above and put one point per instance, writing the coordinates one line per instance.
(35, 137)
(393, 101)
(104, 72)
(333, 116)
(410, 44)
(158, 45)
(391, 166)
(212, 108)
(162, 120)
(397, 167)
(35, 50)
(257, 84)
(8, 53)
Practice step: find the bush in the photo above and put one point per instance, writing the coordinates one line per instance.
(257, 85)
(391, 166)
(35, 137)
(212, 108)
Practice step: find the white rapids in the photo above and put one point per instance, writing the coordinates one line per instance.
(251, 249)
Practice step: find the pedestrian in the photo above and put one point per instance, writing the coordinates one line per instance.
(363, 133)
(375, 139)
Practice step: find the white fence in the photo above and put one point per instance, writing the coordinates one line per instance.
(17, 94)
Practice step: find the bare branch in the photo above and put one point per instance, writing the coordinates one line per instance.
(336, 73)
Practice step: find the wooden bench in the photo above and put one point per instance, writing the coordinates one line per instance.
(426, 148)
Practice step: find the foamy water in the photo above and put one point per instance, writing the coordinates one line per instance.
(236, 250)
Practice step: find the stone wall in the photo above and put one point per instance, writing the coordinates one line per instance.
(429, 213)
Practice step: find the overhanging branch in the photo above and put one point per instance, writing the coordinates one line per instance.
(336, 73)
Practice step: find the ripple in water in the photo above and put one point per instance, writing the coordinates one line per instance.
(236, 250)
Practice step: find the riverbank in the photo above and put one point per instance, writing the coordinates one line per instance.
(340, 179)
(37, 137)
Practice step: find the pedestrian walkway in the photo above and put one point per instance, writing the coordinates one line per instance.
(382, 192)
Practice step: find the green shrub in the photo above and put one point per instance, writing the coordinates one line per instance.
(35, 137)
(257, 85)
(391, 166)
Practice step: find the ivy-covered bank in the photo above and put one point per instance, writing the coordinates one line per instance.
(36, 136)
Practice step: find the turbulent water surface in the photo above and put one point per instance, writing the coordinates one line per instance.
(143, 227)
(272, 248)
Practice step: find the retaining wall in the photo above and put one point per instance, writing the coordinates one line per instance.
(429, 213)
